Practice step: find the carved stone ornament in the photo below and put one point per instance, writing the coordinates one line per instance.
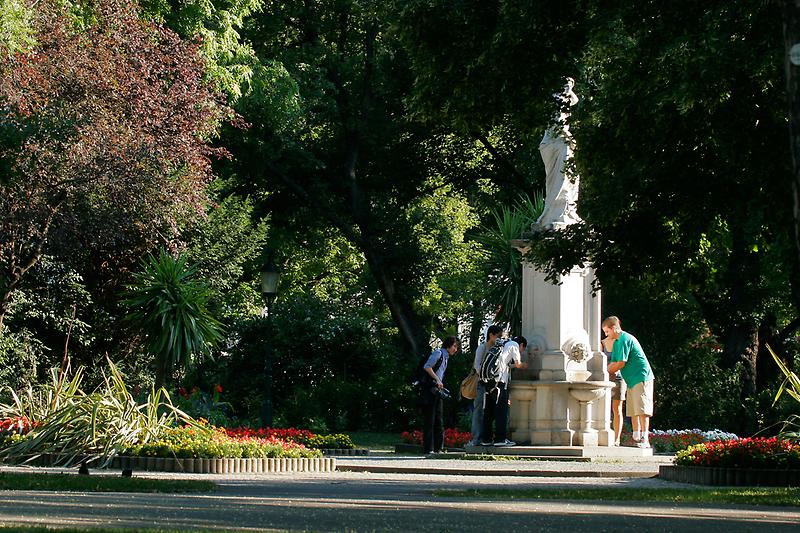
(579, 352)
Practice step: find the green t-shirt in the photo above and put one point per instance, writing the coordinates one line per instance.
(637, 367)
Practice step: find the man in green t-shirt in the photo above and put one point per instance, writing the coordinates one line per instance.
(629, 359)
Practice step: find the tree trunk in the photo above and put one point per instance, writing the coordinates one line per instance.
(740, 345)
(407, 320)
(478, 316)
(767, 371)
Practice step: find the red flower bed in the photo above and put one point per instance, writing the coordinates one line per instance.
(300, 436)
(19, 424)
(742, 453)
(453, 438)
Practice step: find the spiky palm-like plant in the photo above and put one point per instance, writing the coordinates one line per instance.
(503, 263)
(170, 308)
(791, 386)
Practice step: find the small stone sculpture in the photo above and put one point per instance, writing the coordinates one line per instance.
(576, 347)
(561, 200)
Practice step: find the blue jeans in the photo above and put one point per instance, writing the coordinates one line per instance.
(477, 415)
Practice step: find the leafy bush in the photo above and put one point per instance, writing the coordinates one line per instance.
(742, 453)
(208, 406)
(19, 355)
(791, 386)
(335, 441)
(334, 368)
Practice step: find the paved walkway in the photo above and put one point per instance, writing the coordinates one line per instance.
(401, 501)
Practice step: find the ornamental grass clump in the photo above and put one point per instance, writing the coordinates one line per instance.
(69, 424)
(742, 453)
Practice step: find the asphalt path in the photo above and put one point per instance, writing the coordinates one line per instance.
(365, 501)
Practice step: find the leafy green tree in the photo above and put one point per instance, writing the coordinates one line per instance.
(16, 32)
(216, 24)
(346, 153)
(475, 63)
(104, 142)
(693, 205)
(681, 140)
(224, 246)
(169, 307)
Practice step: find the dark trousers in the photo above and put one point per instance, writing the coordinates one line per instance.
(432, 426)
(495, 412)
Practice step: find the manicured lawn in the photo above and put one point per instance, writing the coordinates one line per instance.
(378, 442)
(97, 483)
(743, 496)
(24, 529)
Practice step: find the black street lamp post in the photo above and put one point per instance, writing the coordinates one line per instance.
(269, 290)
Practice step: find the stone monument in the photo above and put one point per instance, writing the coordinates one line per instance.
(563, 398)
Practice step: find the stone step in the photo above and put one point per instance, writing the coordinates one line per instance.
(563, 451)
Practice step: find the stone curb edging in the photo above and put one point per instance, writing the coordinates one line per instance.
(345, 451)
(238, 465)
(734, 477)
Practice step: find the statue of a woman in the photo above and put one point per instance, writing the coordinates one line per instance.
(561, 200)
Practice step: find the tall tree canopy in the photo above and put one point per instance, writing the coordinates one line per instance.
(345, 151)
(681, 139)
(104, 139)
(697, 203)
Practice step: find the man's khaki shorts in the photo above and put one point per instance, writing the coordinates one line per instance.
(639, 400)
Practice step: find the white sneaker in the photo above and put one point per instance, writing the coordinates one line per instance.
(505, 443)
(487, 444)
(643, 444)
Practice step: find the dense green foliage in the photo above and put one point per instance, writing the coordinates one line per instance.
(383, 154)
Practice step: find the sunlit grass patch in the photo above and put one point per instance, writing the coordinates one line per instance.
(777, 496)
(100, 483)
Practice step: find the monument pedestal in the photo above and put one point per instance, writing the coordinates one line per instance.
(563, 398)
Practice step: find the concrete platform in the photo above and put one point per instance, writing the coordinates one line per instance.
(496, 465)
(621, 452)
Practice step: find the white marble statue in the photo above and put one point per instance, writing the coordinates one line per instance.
(561, 200)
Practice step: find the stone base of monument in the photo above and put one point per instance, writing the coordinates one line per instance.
(563, 452)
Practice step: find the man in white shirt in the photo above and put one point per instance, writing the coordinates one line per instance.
(495, 399)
